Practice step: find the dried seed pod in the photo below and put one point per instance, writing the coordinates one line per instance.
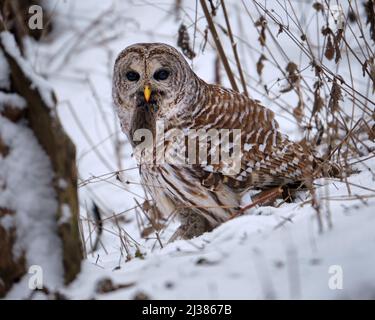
(293, 76)
(183, 42)
(330, 50)
(335, 96)
(318, 101)
(370, 14)
(318, 6)
(262, 22)
(260, 64)
(337, 40)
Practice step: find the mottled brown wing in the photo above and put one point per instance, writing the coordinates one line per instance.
(269, 158)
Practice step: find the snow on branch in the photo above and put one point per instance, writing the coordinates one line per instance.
(44, 88)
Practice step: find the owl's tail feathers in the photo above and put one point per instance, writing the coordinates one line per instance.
(327, 168)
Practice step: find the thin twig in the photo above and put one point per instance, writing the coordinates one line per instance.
(234, 48)
(218, 45)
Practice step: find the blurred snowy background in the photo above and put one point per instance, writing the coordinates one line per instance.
(270, 253)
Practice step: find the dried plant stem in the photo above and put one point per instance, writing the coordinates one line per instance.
(234, 48)
(218, 45)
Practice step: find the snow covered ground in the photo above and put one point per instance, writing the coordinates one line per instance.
(275, 253)
(272, 253)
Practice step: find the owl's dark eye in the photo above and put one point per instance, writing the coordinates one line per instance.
(132, 76)
(161, 74)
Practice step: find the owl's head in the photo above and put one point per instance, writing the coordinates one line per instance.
(150, 79)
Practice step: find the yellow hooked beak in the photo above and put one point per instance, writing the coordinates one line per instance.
(147, 93)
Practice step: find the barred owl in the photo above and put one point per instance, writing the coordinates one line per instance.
(153, 82)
